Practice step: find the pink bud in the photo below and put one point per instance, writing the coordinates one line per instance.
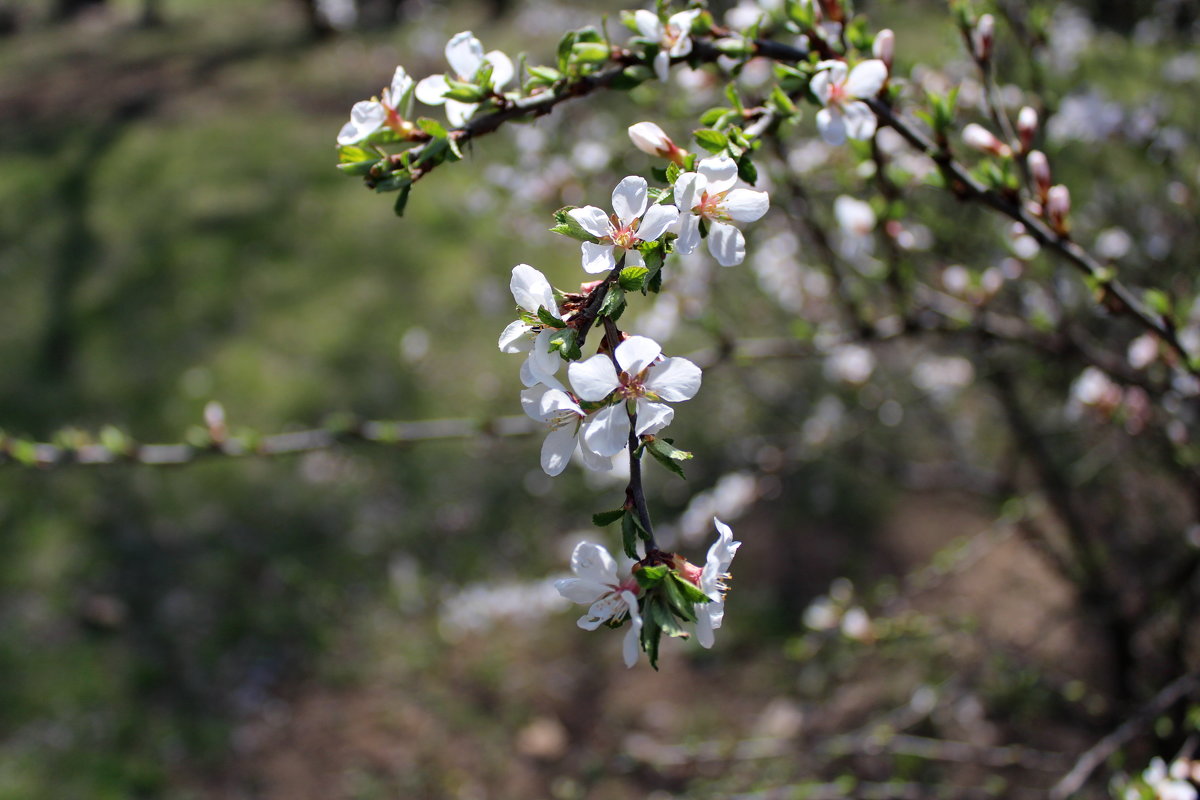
(214, 420)
(652, 140)
(884, 47)
(1027, 123)
(982, 139)
(1039, 170)
(1058, 207)
(985, 33)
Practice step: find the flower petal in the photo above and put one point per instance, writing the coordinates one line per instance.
(629, 198)
(366, 117)
(465, 54)
(689, 188)
(515, 337)
(531, 290)
(689, 234)
(662, 65)
(726, 244)
(637, 353)
(593, 461)
(860, 120)
(597, 258)
(430, 90)
(401, 83)
(543, 361)
(457, 113)
(555, 403)
(557, 449)
(648, 23)
(652, 417)
(593, 379)
(746, 205)
(832, 125)
(657, 220)
(502, 68)
(821, 86)
(721, 172)
(607, 432)
(592, 219)
(578, 590)
(674, 379)
(867, 78)
(593, 562)
(704, 626)
(631, 645)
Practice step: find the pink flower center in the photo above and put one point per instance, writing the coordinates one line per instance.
(837, 94)
(709, 206)
(624, 236)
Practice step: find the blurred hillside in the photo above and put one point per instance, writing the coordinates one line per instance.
(368, 621)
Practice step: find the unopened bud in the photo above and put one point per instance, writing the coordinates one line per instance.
(985, 34)
(1058, 207)
(1039, 170)
(982, 139)
(1027, 124)
(884, 47)
(652, 140)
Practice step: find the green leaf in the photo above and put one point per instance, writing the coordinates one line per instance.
(566, 342)
(590, 53)
(689, 590)
(668, 455)
(746, 169)
(350, 154)
(710, 118)
(566, 225)
(651, 636)
(677, 601)
(732, 96)
(673, 173)
(402, 200)
(710, 140)
(544, 74)
(649, 577)
(631, 76)
(629, 536)
(614, 303)
(632, 279)
(606, 518)
(564, 50)
(432, 127)
(783, 104)
(660, 610)
(546, 318)
(1157, 301)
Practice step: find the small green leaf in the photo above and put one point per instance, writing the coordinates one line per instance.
(1158, 302)
(678, 601)
(746, 169)
(402, 200)
(673, 173)
(545, 74)
(432, 127)
(710, 140)
(546, 318)
(651, 636)
(590, 53)
(349, 154)
(606, 518)
(564, 50)
(566, 342)
(689, 590)
(661, 611)
(632, 279)
(614, 303)
(668, 455)
(649, 577)
(629, 535)
(710, 118)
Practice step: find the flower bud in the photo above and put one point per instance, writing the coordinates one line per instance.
(985, 33)
(1058, 207)
(982, 139)
(1039, 170)
(884, 47)
(1027, 124)
(652, 140)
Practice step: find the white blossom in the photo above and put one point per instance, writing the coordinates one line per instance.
(532, 291)
(708, 194)
(634, 222)
(368, 116)
(644, 379)
(710, 615)
(466, 57)
(1168, 784)
(674, 38)
(610, 598)
(842, 91)
(557, 409)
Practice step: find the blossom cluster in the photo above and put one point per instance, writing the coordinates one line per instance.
(617, 402)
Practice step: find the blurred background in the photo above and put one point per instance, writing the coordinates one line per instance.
(966, 556)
